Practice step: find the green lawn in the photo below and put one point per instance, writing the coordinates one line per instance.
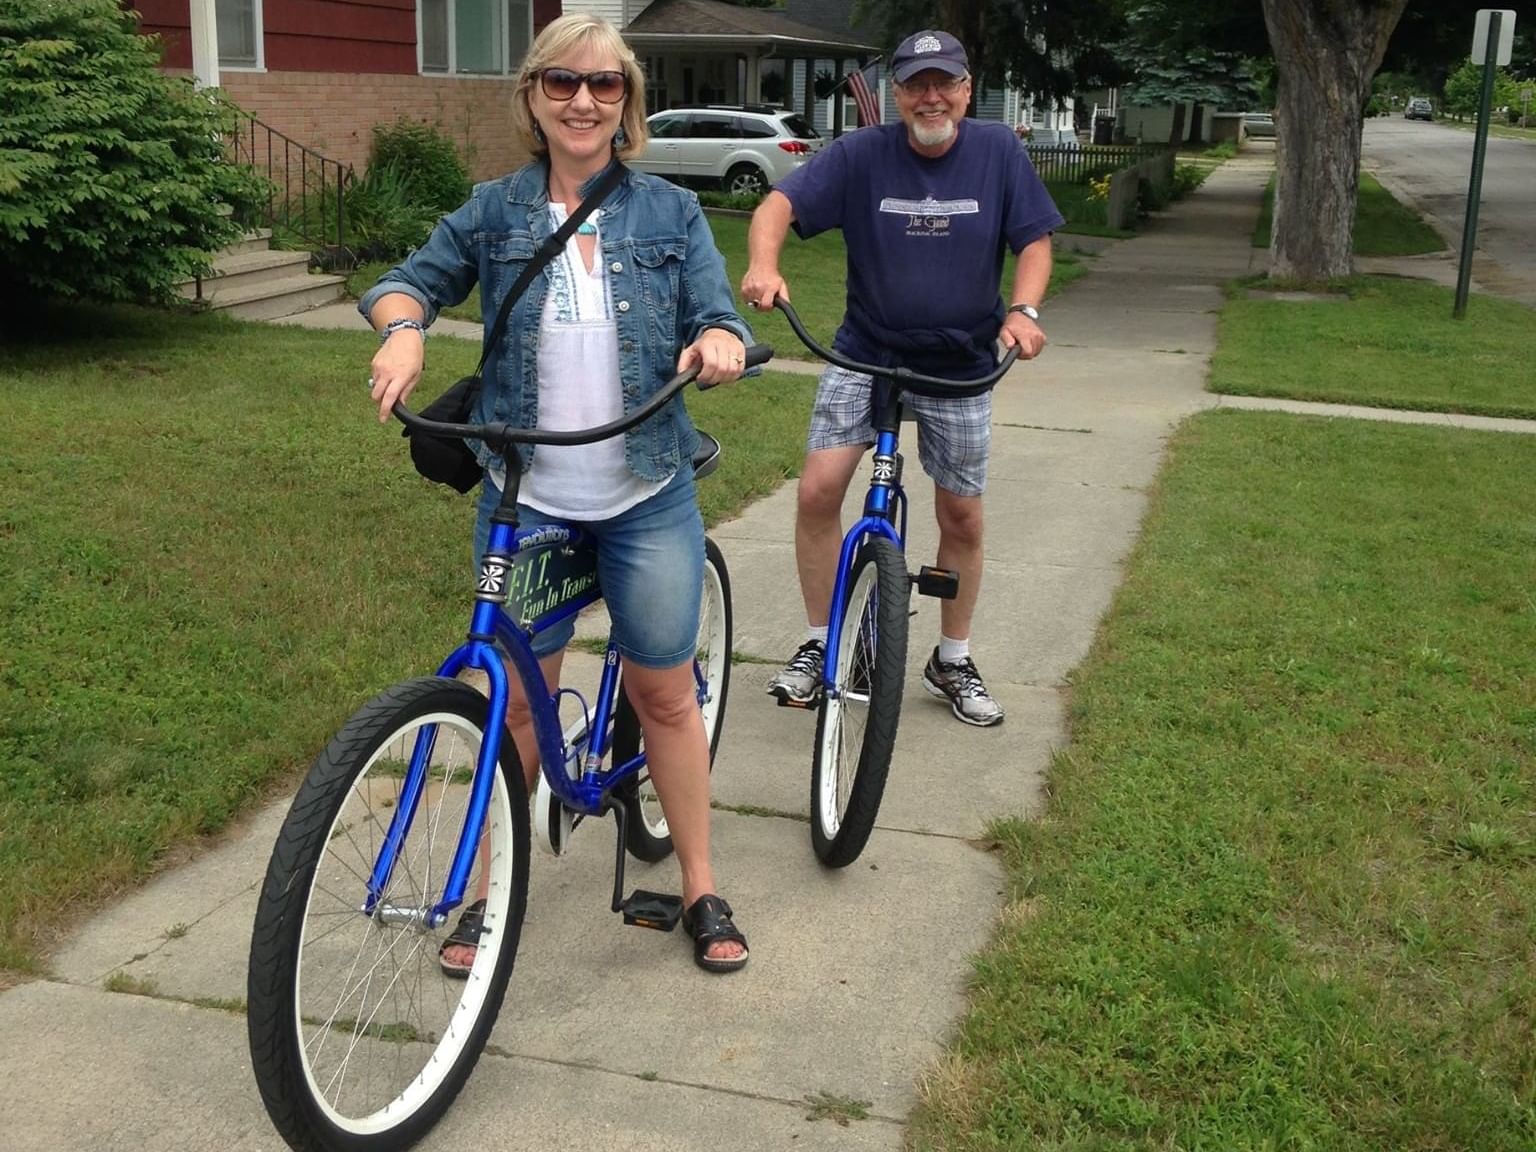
(1383, 227)
(1285, 894)
(1388, 343)
(815, 270)
(212, 553)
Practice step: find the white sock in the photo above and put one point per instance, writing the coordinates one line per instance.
(953, 651)
(817, 634)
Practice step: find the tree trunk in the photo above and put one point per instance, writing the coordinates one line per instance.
(1197, 125)
(1176, 131)
(1326, 52)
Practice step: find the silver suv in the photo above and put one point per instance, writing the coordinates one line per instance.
(743, 148)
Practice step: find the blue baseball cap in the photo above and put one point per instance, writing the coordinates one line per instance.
(928, 49)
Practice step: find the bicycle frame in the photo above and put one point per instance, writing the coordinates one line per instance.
(548, 574)
(884, 508)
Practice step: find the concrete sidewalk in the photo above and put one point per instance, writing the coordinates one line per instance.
(610, 1038)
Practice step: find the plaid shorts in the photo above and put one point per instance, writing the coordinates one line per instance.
(954, 436)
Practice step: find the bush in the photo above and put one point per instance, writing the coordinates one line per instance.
(738, 201)
(425, 161)
(113, 183)
(384, 218)
(1188, 177)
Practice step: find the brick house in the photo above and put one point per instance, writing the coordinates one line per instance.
(324, 72)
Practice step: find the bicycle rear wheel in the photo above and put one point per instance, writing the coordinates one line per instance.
(856, 725)
(648, 838)
(358, 1040)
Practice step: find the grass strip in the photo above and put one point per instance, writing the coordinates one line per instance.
(1285, 897)
(1384, 342)
(1383, 226)
(210, 554)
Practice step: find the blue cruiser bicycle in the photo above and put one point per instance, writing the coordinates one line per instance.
(357, 1039)
(859, 705)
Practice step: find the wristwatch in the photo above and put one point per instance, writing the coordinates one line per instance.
(1029, 310)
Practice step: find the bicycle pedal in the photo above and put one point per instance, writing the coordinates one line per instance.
(814, 701)
(941, 583)
(652, 910)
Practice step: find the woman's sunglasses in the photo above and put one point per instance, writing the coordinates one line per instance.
(607, 87)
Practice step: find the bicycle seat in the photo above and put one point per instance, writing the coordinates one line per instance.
(706, 457)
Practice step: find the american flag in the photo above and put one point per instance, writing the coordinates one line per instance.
(869, 107)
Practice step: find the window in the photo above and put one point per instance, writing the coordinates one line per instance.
(756, 130)
(474, 37)
(668, 127)
(238, 26)
(713, 127)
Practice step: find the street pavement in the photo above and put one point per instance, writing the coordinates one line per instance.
(610, 1038)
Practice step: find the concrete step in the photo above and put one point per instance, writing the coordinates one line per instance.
(256, 240)
(243, 269)
(274, 298)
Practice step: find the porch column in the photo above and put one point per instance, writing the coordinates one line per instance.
(809, 98)
(837, 100)
(754, 92)
(205, 44)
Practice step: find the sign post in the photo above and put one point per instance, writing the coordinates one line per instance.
(1525, 107)
(1492, 43)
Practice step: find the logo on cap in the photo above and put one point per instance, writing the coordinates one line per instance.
(927, 44)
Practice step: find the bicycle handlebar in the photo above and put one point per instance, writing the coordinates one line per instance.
(500, 435)
(905, 377)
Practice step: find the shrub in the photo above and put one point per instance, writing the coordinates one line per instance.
(1188, 177)
(738, 201)
(113, 182)
(385, 220)
(425, 160)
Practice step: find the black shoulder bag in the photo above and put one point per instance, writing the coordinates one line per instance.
(449, 460)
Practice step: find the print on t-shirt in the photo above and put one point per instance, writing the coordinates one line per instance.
(929, 217)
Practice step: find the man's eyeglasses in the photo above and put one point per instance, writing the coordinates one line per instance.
(947, 86)
(607, 87)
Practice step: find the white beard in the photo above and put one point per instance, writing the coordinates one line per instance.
(930, 137)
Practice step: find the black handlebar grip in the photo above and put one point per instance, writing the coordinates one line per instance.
(756, 354)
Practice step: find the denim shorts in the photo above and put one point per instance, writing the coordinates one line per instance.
(954, 436)
(650, 565)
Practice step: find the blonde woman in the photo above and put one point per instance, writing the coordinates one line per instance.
(639, 293)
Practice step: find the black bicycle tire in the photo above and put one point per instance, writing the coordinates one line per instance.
(867, 789)
(280, 918)
(626, 732)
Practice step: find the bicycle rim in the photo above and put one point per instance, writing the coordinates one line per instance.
(712, 668)
(378, 1039)
(856, 727)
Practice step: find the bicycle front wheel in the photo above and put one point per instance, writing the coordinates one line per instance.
(856, 725)
(358, 1039)
(648, 838)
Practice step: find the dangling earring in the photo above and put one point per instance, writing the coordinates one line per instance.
(619, 139)
(538, 133)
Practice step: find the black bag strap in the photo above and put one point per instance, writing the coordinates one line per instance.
(547, 252)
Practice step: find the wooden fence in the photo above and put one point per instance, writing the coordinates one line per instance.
(1058, 165)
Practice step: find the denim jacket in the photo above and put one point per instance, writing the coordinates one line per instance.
(666, 278)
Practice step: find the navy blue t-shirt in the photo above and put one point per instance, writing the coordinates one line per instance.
(925, 239)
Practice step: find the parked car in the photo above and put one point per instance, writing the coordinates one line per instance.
(1259, 124)
(1418, 108)
(742, 148)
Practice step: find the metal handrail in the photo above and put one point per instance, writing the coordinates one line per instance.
(314, 208)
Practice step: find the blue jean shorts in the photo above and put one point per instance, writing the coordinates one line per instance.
(954, 435)
(650, 564)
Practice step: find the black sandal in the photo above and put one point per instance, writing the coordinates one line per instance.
(708, 921)
(466, 932)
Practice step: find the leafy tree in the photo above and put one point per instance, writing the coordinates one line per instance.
(1049, 49)
(113, 182)
(1464, 89)
(1190, 51)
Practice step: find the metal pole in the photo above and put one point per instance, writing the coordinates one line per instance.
(1479, 151)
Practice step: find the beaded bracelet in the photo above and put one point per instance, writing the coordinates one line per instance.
(396, 325)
